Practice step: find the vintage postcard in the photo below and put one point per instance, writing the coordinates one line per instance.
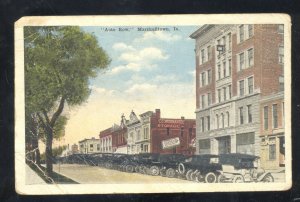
(153, 104)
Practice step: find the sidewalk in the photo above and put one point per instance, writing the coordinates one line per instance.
(31, 177)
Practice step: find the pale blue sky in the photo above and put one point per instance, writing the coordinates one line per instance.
(149, 70)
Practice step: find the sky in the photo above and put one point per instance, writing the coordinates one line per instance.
(149, 70)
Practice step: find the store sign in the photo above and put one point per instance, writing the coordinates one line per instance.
(170, 123)
(170, 143)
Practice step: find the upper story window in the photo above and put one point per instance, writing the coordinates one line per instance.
(224, 93)
(281, 54)
(250, 30)
(241, 115)
(209, 52)
(223, 121)
(281, 83)
(219, 71)
(266, 118)
(203, 80)
(202, 56)
(224, 69)
(202, 124)
(241, 33)
(146, 133)
(280, 29)
(275, 116)
(250, 85)
(229, 91)
(242, 87)
(245, 32)
(242, 63)
(219, 95)
(209, 76)
(217, 121)
(228, 119)
(229, 67)
(208, 99)
(208, 122)
(138, 135)
(250, 57)
(249, 110)
(203, 101)
(229, 41)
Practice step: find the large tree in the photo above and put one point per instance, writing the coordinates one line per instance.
(59, 61)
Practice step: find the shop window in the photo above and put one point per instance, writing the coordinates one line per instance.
(245, 143)
(272, 149)
(204, 146)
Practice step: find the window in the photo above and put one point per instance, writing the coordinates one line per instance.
(272, 149)
(241, 87)
(91, 147)
(181, 132)
(168, 131)
(250, 57)
(242, 63)
(219, 71)
(208, 52)
(245, 143)
(281, 83)
(229, 67)
(281, 55)
(146, 133)
(202, 56)
(250, 30)
(250, 85)
(145, 148)
(275, 116)
(209, 76)
(219, 95)
(203, 79)
(98, 147)
(224, 69)
(208, 122)
(228, 119)
(217, 121)
(249, 109)
(138, 135)
(224, 93)
(229, 91)
(222, 117)
(203, 101)
(266, 118)
(202, 124)
(280, 29)
(241, 115)
(204, 146)
(208, 99)
(241, 31)
(229, 41)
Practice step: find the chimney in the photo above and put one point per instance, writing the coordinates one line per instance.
(182, 117)
(157, 113)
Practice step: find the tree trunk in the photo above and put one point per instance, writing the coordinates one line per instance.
(35, 145)
(48, 153)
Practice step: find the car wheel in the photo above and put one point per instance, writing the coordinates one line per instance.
(268, 178)
(199, 177)
(181, 168)
(210, 177)
(188, 174)
(238, 179)
(136, 169)
(154, 170)
(194, 175)
(129, 168)
(108, 165)
(221, 178)
(170, 172)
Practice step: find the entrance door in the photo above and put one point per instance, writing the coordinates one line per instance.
(224, 145)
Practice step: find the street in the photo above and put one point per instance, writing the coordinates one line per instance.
(85, 174)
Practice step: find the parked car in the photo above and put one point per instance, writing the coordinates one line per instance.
(239, 168)
(144, 162)
(200, 167)
(167, 164)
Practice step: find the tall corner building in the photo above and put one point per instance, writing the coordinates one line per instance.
(239, 91)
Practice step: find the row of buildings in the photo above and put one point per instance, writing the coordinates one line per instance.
(240, 91)
(145, 133)
(239, 101)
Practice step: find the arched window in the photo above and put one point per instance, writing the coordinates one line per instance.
(228, 119)
(217, 121)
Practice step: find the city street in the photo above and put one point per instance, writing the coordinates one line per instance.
(93, 174)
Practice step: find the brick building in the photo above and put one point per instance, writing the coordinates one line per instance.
(237, 68)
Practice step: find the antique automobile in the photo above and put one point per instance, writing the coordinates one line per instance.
(166, 164)
(240, 168)
(199, 168)
(144, 162)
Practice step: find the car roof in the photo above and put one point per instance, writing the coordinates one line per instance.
(238, 156)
